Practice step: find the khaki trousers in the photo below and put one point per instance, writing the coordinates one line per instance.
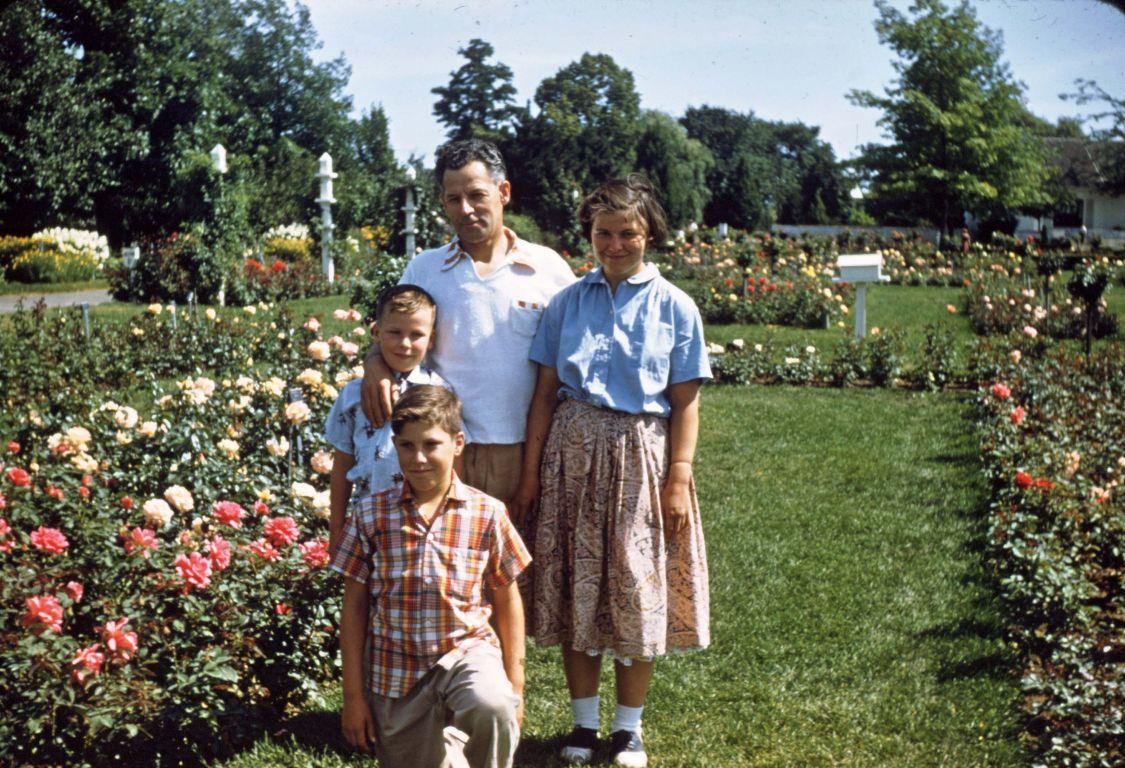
(460, 717)
(494, 468)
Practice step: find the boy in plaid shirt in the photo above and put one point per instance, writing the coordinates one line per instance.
(427, 680)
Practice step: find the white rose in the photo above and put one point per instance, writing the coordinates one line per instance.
(123, 438)
(126, 417)
(147, 429)
(246, 385)
(349, 349)
(180, 498)
(310, 378)
(738, 344)
(359, 330)
(298, 412)
(277, 447)
(250, 309)
(319, 350)
(157, 513)
(328, 391)
(342, 377)
(84, 462)
(155, 309)
(322, 462)
(78, 437)
(229, 447)
(274, 386)
(340, 314)
(305, 492)
(210, 313)
(322, 504)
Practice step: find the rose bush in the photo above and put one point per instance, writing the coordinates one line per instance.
(1053, 444)
(164, 593)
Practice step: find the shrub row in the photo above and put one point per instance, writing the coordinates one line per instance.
(1053, 445)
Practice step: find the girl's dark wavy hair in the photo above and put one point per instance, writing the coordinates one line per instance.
(632, 194)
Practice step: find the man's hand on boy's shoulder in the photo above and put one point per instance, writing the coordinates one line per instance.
(377, 390)
(358, 724)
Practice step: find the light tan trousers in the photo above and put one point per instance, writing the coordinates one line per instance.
(460, 717)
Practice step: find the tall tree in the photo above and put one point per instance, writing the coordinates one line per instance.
(585, 132)
(958, 140)
(479, 100)
(676, 165)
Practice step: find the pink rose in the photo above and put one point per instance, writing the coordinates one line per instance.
(194, 569)
(1001, 391)
(87, 663)
(1018, 415)
(49, 540)
(228, 513)
(75, 590)
(264, 550)
(218, 550)
(281, 531)
(315, 553)
(43, 613)
(141, 540)
(121, 643)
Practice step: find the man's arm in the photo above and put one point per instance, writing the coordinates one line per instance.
(507, 618)
(377, 390)
(357, 721)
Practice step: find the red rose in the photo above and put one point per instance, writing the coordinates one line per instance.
(1018, 415)
(1001, 391)
(84, 492)
(126, 502)
(19, 477)
(282, 609)
(1043, 483)
(13, 447)
(1023, 480)
(55, 493)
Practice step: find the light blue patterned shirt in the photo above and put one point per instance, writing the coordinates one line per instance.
(348, 430)
(622, 351)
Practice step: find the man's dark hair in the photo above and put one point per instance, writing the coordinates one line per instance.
(458, 154)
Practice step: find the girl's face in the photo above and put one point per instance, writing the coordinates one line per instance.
(619, 241)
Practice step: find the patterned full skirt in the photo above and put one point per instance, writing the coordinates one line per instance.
(605, 578)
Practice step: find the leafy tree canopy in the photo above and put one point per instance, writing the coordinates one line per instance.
(959, 137)
(479, 100)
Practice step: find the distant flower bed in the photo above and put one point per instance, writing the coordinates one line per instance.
(165, 588)
(1054, 449)
(53, 256)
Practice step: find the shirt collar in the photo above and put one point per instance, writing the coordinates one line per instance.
(415, 376)
(458, 491)
(648, 272)
(513, 255)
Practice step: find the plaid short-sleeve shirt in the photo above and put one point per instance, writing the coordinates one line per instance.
(427, 604)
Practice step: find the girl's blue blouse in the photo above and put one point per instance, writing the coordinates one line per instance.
(623, 350)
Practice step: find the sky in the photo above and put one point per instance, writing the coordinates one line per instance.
(781, 59)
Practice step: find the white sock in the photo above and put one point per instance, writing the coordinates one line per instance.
(585, 712)
(627, 718)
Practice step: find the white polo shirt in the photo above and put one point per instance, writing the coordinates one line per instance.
(485, 326)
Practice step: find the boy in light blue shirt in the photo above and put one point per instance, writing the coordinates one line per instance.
(365, 459)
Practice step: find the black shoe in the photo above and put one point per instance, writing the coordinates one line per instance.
(627, 749)
(579, 747)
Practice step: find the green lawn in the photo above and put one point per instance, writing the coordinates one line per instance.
(852, 622)
(16, 289)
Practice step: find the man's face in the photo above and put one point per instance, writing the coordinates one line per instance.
(425, 455)
(474, 203)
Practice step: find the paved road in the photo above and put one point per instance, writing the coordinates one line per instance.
(8, 302)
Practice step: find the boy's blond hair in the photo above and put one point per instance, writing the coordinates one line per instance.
(430, 404)
(405, 299)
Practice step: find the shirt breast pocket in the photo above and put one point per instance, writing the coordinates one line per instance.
(466, 575)
(524, 316)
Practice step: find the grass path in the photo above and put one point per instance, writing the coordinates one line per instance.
(851, 623)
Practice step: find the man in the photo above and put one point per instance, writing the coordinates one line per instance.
(491, 288)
